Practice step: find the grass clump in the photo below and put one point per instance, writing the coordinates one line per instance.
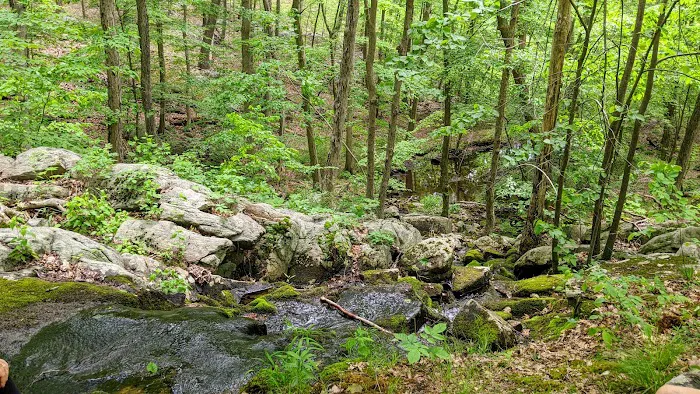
(651, 365)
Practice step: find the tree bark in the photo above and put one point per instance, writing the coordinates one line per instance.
(551, 109)
(372, 101)
(395, 106)
(667, 132)
(134, 90)
(82, 9)
(188, 67)
(340, 103)
(246, 54)
(209, 17)
(447, 122)
(507, 30)
(686, 148)
(108, 17)
(145, 45)
(161, 77)
(634, 138)
(613, 132)
(306, 94)
(573, 107)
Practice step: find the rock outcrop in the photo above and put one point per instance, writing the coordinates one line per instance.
(670, 242)
(475, 323)
(429, 225)
(39, 162)
(431, 259)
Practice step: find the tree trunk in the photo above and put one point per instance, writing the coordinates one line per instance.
(224, 21)
(507, 30)
(413, 113)
(340, 103)
(18, 7)
(161, 77)
(569, 131)
(145, 46)
(447, 122)
(108, 17)
(188, 67)
(306, 94)
(395, 106)
(246, 54)
(551, 109)
(134, 90)
(634, 138)
(82, 9)
(613, 132)
(372, 101)
(209, 17)
(349, 158)
(691, 131)
(313, 35)
(668, 130)
(278, 12)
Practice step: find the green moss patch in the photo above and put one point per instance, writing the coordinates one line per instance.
(423, 291)
(548, 327)
(285, 292)
(261, 305)
(542, 285)
(523, 306)
(23, 292)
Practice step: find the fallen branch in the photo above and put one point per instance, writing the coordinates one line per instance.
(55, 203)
(354, 316)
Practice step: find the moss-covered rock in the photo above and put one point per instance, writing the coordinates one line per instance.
(504, 315)
(542, 285)
(523, 306)
(423, 291)
(475, 323)
(17, 294)
(473, 254)
(548, 327)
(468, 280)
(284, 292)
(385, 276)
(534, 262)
(334, 372)
(261, 305)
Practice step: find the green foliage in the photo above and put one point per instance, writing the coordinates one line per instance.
(430, 344)
(94, 164)
(431, 203)
(651, 365)
(22, 251)
(152, 368)
(293, 369)
(567, 258)
(663, 187)
(147, 150)
(92, 215)
(360, 345)
(139, 186)
(169, 281)
(381, 237)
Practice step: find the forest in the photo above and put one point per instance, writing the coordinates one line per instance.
(335, 196)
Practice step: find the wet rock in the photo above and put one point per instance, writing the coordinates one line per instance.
(431, 259)
(429, 225)
(534, 262)
(40, 162)
(670, 242)
(475, 323)
(239, 228)
(391, 306)
(167, 237)
(372, 257)
(405, 235)
(469, 280)
(18, 192)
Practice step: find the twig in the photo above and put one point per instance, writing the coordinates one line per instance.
(55, 203)
(354, 316)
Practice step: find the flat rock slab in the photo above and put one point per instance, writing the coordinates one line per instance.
(39, 162)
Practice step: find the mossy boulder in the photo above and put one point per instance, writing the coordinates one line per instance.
(424, 291)
(522, 306)
(284, 292)
(473, 255)
(262, 305)
(431, 259)
(534, 262)
(469, 280)
(475, 323)
(429, 224)
(670, 242)
(371, 257)
(541, 285)
(386, 276)
(549, 326)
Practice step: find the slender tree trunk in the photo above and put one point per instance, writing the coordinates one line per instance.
(318, 13)
(573, 107)
(340, 103)
(224, 21)
(82, 9)
(634, 138)
(686, 148)
(134, 90)
(507, 30)
(145, 45)
(551, 108)
(161, 77)
(668, 130)
(306, 94)
(108, 17)
(246, 54)
(679, 125)
(211, 14)
(18, 7)
(278, 12)
(613, 133)
(413, 113)
(188, 67)
(349, 158)
(395, 105)
(372, 101)
(447, 122)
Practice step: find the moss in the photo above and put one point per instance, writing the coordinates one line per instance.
(543, 284)
(536, 384)
(284, 292)
(469, 279)
(474, 263)
(479, 330)
(423, 291)
(522, 306)
(380, 276)
(396, 323)
(548, 327)
(208, 301)
(227, 298)
(474, 254)
(261, 305)
(120, 280)
(334, 372)
(504, 315)
(229, 312)
(23, 292)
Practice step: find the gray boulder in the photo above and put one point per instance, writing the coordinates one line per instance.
(167, 237)
(687, 380)
(240, 229)
(18, 192)
(469, 280)
(475, 323)
(534, 262)
(670, 242)
(5, 163)
(370, 257)
(405, 235)
(37, 162)
(429, 224)
(431, 259)
(689, 249)
(494, 245)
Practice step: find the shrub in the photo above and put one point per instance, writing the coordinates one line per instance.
(381, 237)
(169, 281)
(293, 369)
(92, 215)
(21, 252)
